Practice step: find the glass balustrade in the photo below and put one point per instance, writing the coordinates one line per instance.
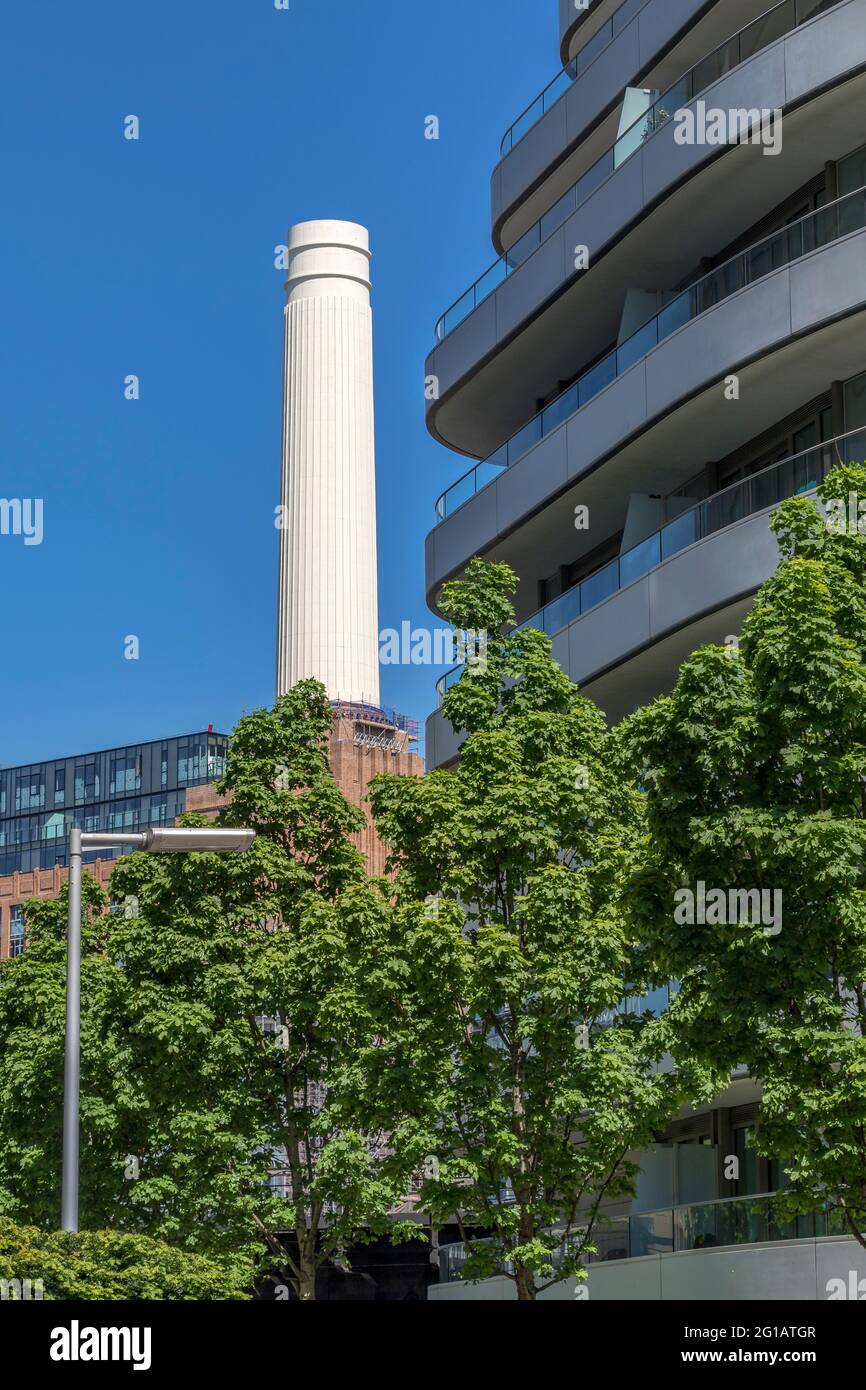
(781, 248)
(699, 1226)
(575, 68)
(798, 474)
(780, 20)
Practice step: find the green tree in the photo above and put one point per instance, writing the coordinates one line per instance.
(234, 1015)
(754, 770)
(546, 1083)
(249, 1002)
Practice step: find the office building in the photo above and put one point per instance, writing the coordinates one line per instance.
(116, 789)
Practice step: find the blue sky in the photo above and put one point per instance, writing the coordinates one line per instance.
(156, 258)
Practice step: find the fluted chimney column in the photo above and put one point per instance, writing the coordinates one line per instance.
(327, 618)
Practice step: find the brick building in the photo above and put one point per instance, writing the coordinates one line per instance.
(152, 784)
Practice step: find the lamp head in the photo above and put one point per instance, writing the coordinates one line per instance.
(205, 839)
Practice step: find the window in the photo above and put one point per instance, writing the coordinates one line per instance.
(54, 827)
(59, 786)
(163, 766)
(746, 1183)
(16, 931)
(851, 172)
(29, 789)
(807, 437)
(125, 817)
(826, 418)
(800, 476)
(86, 781)
(216, 760)
(125, 772)
(855, 403)
(191, 761)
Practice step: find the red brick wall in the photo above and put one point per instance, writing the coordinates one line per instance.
(354, 767)
(40, 883)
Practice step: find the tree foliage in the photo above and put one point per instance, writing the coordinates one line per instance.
(521, 855)
(32, 1033)
(754, 772)
(107, 1266)
(232, 1029)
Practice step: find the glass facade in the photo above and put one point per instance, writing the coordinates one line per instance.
(117, 789)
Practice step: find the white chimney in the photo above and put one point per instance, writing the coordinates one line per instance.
(327, 612)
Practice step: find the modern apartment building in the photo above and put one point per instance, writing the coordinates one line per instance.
(671, 341)
(117, 789)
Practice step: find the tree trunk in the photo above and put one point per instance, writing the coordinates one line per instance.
(307, 1281)
(526, 1292)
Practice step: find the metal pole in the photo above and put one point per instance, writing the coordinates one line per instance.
(216, 840)
(72, 1066)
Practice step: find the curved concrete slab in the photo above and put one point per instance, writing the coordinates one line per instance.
(787, 336)
(594, 93)
(697, 596)
(507, 352)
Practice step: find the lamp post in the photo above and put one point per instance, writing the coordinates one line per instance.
(157, 840)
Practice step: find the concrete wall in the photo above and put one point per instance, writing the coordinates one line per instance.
(774, 1272)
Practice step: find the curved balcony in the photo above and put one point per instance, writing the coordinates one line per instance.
(572, 69)
(571, 123)
(625, 651)
(762, 491)
(733, 1249)
(782, 19)
(799, 239)
(594, 17)
(786, 338)
(648, 224)
(622, 646)
(697, 1226)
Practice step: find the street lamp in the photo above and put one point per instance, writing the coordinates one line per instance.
(157, 840)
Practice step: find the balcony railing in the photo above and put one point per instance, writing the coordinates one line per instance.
(706, 1225)
(810, 233)
(780, 20)
(699, 1226)
(563, 79)
(798, 474)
